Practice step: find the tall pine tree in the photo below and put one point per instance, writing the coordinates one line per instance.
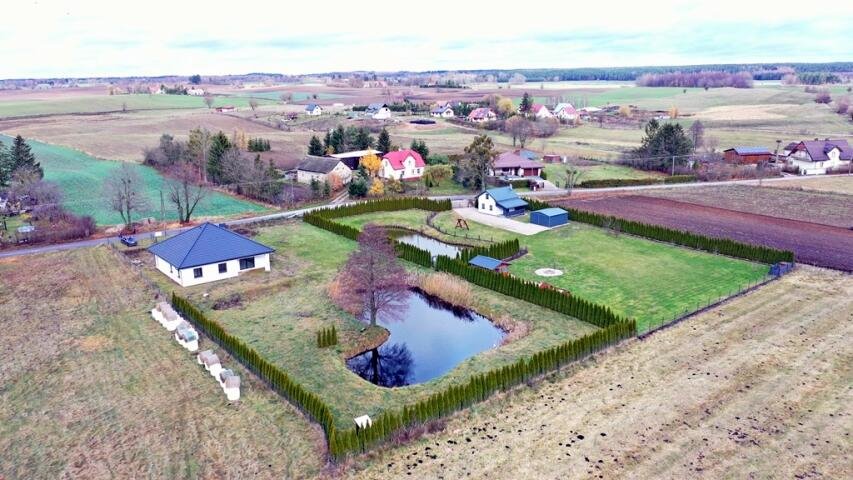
(383, 144)
(218, 145)
(20, 156)
(315, 147)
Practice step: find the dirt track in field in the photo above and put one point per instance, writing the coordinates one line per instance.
(759, 387)
(821, 245)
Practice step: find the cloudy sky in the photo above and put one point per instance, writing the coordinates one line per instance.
(50, 38)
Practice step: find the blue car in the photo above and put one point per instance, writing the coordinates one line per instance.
(128, 240)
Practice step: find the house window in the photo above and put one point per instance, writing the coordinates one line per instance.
(247, 263)
(197, 272)
(223, 267)
(490, 208)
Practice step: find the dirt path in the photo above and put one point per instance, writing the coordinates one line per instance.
(756, 388)
(821, 245)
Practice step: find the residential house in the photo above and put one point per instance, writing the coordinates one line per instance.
(538, 110)
(565, 112)
(442, 111)
(378, 111)
(313, 109)
(747, 155)
(500, 201)
(815, 157)
(196, 92)
(402, 165)
(207, 253)
(512, 164)
(353, 159)
(321, 168)
(226, 108)
(482, 115)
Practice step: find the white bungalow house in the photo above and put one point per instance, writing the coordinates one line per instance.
(207, 253)
(815, 157)
(565, 112)
(482, 115)
(402, 165)
(321, 168)
(378, 111)
(500, 201)
(442, 111)
(313, 109)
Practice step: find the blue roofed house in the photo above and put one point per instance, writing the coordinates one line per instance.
(207, 253)
(313, 109)
(500, 201)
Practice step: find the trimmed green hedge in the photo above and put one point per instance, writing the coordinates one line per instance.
(326, 337)
(724, 246)
(498, 250)
(382, 205)
(631, 182)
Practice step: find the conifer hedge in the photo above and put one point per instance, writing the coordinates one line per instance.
(723, 246)
(498, 250)
(326, 337)
(382, 205)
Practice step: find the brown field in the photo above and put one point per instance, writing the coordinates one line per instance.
(821, 245)
(92, 387)
(758, 387)
(809, 206)
(824, 183)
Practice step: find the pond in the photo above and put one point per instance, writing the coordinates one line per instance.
(433, 246)
(429, 337)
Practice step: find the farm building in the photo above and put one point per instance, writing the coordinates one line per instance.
(353, 159)
(513, 164)
(207, 253)
(313, 109)
(443, 111)
(552, 158)
(482, 115)
(402, 165)
(500, 201)
(549, 217)
(489, 263)
(196, 92)
(378, 111)
(226, 108)
(747, 155)
(815, 157)
(321, 168)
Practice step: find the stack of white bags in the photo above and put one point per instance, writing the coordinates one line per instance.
(229, 381)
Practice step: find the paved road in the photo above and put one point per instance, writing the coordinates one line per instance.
(300, 212)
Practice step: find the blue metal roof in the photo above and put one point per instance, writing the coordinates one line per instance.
(206, 244)
(750, 150)
(512, 203)
(483, 261)
(501, 193)
(551, 212)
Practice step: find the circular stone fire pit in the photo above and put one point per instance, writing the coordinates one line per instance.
(549, 272)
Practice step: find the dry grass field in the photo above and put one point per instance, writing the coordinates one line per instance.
(827, 183)
(92, 387)
(758, 387)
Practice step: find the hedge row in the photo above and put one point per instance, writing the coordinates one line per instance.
(383, 205)
(499, 250)
(531, 292)
(275, 377)
(413, 254)
(630, 182)
(478, 388)
(326, 337)
(724, 246)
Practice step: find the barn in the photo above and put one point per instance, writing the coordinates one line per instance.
(747, 155)
(549, 217)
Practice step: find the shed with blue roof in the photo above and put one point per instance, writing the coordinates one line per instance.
(207, 253)
(549, 217)
(500, 201)
(489, 263)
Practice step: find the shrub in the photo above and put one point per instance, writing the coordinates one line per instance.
(327, 337)
(625, 182)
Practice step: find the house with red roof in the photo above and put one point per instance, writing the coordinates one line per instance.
(565, 112)
(482, 115)
(540, 111)
(402, 165)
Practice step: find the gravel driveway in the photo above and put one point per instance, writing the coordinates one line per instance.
(503, 223)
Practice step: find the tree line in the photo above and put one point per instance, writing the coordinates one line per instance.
(704, 79)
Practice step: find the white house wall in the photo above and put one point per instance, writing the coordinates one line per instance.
(210, 272)
(488, 205)
(409, 171)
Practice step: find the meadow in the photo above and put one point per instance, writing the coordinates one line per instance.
(81, 179)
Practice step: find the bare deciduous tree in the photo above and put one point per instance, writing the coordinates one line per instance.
(208, 100)
(185, 190)
(124, 193)
(253, 104)
(573, 176)
(520, 128)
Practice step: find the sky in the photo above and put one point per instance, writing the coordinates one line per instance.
(82, 38)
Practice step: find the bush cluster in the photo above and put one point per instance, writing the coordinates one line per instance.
(326, 337)
(627, 182)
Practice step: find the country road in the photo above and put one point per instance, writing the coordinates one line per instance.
(299, 212)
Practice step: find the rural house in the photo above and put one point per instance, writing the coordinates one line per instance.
(207, 253)
(226, 108)
(815, 157)
(747, 155)
(538, 110)
(565, 112)
(500, 201)
(321, 168)
(196, 92)
(402, 165)
(313, 109)
(482, 115)
(378, 111)
(353, 159)
(443, 111)
(513, 164)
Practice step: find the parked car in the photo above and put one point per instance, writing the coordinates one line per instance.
(128, 240)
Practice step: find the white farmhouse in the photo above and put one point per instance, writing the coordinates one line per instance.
(815, 157)
(402, 165)
(195, 92)
(442, 111)
(207, 253)
(565, 112)
(540, 111)
(320, 168)
(482, 115)
(500, 201)
(313, 109)
(378, 111)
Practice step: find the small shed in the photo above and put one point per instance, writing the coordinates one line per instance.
(549, 217)
(489, 263)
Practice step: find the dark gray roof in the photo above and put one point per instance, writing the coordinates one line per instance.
(318, 164)
(206, 244)
(375, 107)
(311, 106)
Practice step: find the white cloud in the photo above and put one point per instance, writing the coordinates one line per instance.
(52, 38)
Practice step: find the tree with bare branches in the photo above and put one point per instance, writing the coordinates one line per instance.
(253, 104)
(208, 100)
(123, 191)
(185, 190)
(520, 128)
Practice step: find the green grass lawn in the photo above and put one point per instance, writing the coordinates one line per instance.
(81, 178)
(557, 172)
(284, 309)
